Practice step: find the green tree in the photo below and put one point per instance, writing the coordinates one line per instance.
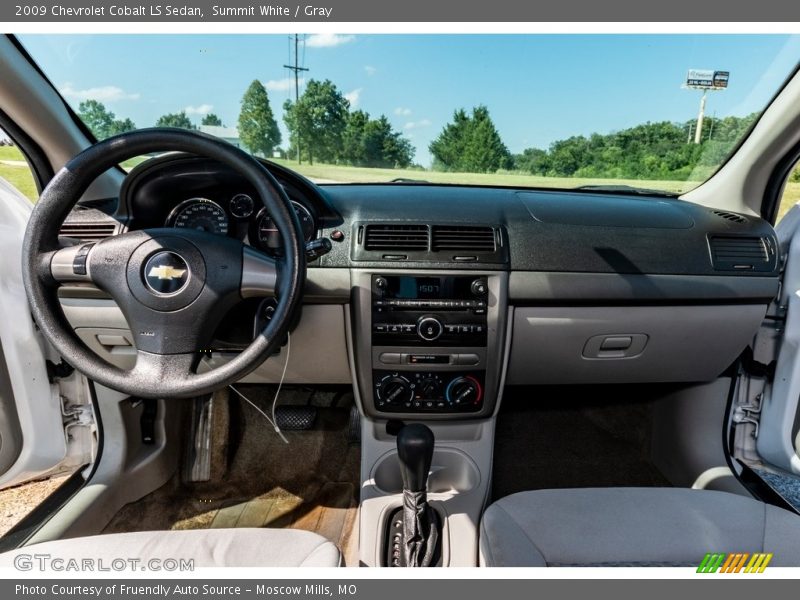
(470, 143)
(448, 149)
(211, 119)
(373, 143)
(317, 121)
(257, 127)
(354, 151)
(661, 150)
(101, 121)
(175, 120)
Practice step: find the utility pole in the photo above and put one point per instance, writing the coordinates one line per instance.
(297, 69)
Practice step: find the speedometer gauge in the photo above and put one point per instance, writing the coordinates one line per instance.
(200, 214)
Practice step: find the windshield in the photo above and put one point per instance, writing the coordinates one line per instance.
(660, 112)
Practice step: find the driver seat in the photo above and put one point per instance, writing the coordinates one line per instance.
(206, 547)
(628, 527)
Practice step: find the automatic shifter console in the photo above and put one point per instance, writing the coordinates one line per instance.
(414, 531)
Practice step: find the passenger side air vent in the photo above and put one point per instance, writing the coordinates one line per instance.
(461, 238)
(728, 216)
(739, 253)
(396, 237)
(90, 232)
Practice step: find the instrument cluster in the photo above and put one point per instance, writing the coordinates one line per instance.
(239, 216)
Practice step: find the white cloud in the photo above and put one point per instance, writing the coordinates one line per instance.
(282, 85)
(105, 93)
(328, 40)
(402, 112)
(202, 109)
(417, 124)
(370, 70)
(353, 97)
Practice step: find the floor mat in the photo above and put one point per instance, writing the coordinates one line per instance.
(787, 486)
(569, 436)
(311, 483)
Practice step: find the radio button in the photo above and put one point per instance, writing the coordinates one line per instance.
(390, 358)
(467, 359)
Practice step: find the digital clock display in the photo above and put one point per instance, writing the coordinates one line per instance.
(416, 288)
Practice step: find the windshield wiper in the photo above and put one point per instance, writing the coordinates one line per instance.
(626, 189)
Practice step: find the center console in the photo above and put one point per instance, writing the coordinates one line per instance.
(427, 346)
(429, 343)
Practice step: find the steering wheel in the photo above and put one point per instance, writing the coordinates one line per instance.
(173, 285)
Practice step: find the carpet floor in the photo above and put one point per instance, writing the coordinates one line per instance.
(258, 480)
(573, 436)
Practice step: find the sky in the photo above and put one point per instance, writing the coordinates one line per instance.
(538, 88)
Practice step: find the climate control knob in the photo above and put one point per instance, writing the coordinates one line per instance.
(462, 391)
(394, 390)
(429, 328)
(429, 388)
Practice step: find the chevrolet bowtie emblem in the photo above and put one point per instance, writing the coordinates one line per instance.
(166, 272)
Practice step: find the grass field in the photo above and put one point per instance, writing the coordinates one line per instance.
(17, 175)
(334, 173)
(20, 177)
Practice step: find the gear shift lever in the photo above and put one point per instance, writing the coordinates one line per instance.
(420, 522)
(415, 449)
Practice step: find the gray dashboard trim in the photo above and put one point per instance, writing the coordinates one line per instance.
(542, 286)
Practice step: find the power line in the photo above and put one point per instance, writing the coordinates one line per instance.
(296, 68)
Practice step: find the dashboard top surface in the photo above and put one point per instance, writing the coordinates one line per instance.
(543, 230)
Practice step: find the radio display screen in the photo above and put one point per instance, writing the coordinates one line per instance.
(414, 288)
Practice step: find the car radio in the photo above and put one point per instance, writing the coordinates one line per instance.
(421, 311)
(429, 335)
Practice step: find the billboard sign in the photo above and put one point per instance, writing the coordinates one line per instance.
(707, 79)
(721, 79)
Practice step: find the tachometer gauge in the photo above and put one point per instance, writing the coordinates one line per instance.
(241, 206)
(268, 236)
(201, 214)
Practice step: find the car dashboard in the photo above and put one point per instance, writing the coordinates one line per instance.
(433, 297)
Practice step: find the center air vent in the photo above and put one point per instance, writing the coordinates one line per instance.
(729, 216)
(396, 237)
(463, 238)
(430, 243)
(91, 232)
(739, 253)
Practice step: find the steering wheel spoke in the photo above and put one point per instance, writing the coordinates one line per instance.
(259, 274)
(152, 368)
(70, 264)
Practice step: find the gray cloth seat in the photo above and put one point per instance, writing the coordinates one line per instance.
(207, 548)
(632, 527)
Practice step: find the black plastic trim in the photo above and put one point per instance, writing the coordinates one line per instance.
(37, 160)
(773, 192)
